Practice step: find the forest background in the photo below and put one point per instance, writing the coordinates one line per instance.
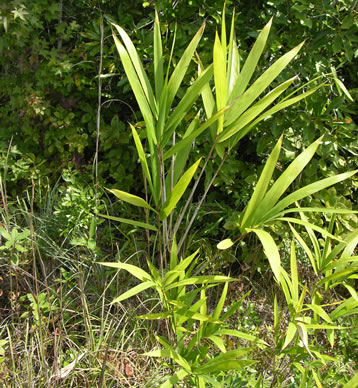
(66, 105)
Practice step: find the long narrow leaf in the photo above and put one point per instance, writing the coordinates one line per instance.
(305, 248)
(262, 185)
(220, 78)
(158, 58)
(251, 63)
(294, 273)
(189, 139)
(133, 291)
(271, 251)
(290, 334)
(285, 180)
(209, 279)
(132, 269)
(178, 191)
(182, 66)
(186, 103)
(130, 198)
(142, 159)
(144, 81)
(240, 334)
(233, 66)
(137, 90)
(255, 110)
(260, 85)
(175, 378)
(280, 106)
(130, 222)
(306, 191)
(324, 232)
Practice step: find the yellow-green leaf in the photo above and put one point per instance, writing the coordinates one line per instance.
(178, 191)
(271, 251)
(130, 198)
(225, 244)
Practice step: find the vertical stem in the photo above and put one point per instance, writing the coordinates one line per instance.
(182, 213)
(187, 229)
(99, 104)
(162, 234)
(172, 166)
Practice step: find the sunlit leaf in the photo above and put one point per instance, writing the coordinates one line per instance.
(271, 251)
(178, 191)
(225, 244)
(130, 198)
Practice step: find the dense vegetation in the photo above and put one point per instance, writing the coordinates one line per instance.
(178, 193)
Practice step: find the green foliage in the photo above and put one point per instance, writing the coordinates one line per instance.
(207, 109)
(191, 326)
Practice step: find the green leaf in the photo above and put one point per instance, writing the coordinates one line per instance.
(342, 87)
(319, 311)
(339, 275)
(260, 85)
(306, 191)
(186, 103)
(155, 316)
(175, 378)
(193, 135)
(346, 308)
(324, 327)
(173, 254)
(218, 341)
(220, 78)
(137, 64)
(352, 383)
(347, 22)
(182, 66)
(225, 361)
(306, 249)
(181, 157)
(254, 111)
(279, 106)
(294, 273)
(233, 70)
(132, 269)
(261, 186)
(179, 269)
(201, 280)
(143, 160)
(318, 383)
(137, 88)
(304, 337)
(284, 181)
(208, 99)
(130, 198)
(352, 291)
(341, 262)
(178, 191)
(271, 251)
(130, 222)
(250, 63)
(134, 291)
(240, 334)
(172, 354)
(225, 244)
(309, 225)
(219, 307)
(290, 334)
(158, 58)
